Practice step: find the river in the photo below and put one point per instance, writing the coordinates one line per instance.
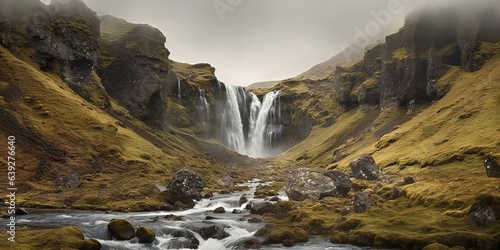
(94, 225)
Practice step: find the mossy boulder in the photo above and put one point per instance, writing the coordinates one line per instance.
(69, 237)
(145, 234)
(365, 168)
(278, 234)
(121, 229)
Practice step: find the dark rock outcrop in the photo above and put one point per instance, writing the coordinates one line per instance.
(145, 234)
(481, 213)
(121, 229)
(186, 184)
(492, 165)
(365, 168)
(307, 184)
(340, 180)
(134, 68)
(66, 33)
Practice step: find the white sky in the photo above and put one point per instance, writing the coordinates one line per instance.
(249, 41)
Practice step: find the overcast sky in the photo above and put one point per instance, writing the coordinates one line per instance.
(258, 40)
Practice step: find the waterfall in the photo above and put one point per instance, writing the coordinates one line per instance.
(178, 87)
(247, 125)
(203, 108)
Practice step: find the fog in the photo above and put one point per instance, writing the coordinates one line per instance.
(258, 40)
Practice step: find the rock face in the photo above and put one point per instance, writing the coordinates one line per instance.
(134, 68)
(66, 33)
(65, 37)
(340, 180)
(307, 184)
(145, 234)
(121, 229)
(365, 168)
(403, 70)
(492, 165)
(186, 184)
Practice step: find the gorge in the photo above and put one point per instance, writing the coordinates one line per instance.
(400, 149)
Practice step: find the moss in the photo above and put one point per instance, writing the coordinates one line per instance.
(63, 238)
(400, 54)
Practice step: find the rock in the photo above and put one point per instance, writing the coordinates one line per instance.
(91, 244)
(236, 211)
(186, 184)
(409, 180)
(481, 213)
(288, 243)
(338, 156)
(145, 234)
(208, 229)
(362, 202)
(255, 220)
(173, 217)
(243, 200)
(307, 184)
(226, 181)
(178, 205)
(160, 188)
(262, 208)
(365, 168)
(492, 165)
(340, 180)
(71, 181)
(219, 210)
(167, 207)
(21, 211)
(436, 246)
(253, 242)
(133, 194)
(275, 198)
(208, 217)
(121, 229)
(184, 243)
(396, 193)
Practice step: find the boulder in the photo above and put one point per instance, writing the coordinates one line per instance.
(121, 229)
(186, 184)
(492, 165)
(145, 234)
(243, 200)
(71, 181)
(255, 220)
(481, 213)
(21, 211)
(261, 208)
(365, 168)
(409, 180)
(219, 210)
(288, 243)
(173, 217)
(208, 229)
(362, 202)
(307, 184)
(226, 181)
(340, 180)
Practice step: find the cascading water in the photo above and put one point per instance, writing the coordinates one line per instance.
(178, 88)
(246, 124)
(203, 108)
